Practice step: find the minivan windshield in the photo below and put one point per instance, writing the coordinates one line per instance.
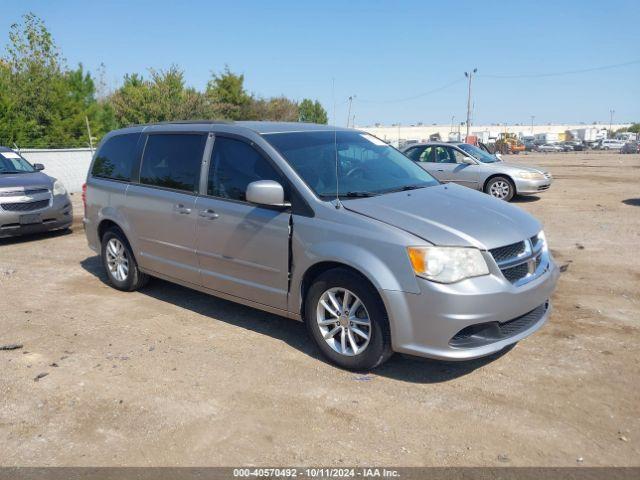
(11, 162)
(478, 153)
(366, 166)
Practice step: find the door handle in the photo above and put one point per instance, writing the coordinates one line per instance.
(440, 170)
(182, 209)
(209, 214)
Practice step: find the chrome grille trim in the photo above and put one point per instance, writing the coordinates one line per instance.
(521, 262)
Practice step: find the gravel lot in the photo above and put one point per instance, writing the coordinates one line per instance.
(169, 376)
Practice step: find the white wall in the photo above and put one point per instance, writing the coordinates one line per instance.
(70, 166)
(422, 132)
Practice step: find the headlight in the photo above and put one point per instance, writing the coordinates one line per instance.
(530, 175)
(542, 238)
(58, 188)
(447, 264)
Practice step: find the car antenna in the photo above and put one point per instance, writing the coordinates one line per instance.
(335, 142)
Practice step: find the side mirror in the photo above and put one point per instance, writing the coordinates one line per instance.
(38, 166)
(266, 192)
(498, 156)
(469, 161)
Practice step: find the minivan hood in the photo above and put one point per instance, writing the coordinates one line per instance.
(450, 215)
(35, 179)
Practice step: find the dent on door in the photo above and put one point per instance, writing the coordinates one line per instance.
(243, 250)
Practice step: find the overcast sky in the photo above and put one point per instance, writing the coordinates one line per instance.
(388, 54)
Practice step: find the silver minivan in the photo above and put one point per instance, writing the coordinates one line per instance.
(329, 226)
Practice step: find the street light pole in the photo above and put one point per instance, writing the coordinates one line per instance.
(351, 97)
(532, 117)
(611, 112)
(469, 75)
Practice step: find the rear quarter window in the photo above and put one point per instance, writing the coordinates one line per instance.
(116, 157)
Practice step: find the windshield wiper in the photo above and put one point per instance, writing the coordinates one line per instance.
(359, 194)
(407, 188)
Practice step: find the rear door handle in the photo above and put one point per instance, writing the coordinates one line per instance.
(209, 214)
(180, 208)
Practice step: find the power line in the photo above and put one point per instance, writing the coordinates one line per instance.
(568, 72)
(450, 84)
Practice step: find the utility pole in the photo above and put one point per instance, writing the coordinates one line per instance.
(452, 119)
(351, 97)
(86, 119)
(469, 75)
(611, 112)
(532, 117)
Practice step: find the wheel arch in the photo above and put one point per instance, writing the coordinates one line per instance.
(317, 269)
(504, 175)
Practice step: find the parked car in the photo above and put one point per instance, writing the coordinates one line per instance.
(577, 145)
(473, 167)
(30, 201)
(330, 226)
(630, 147)
(611, 144)
(566, 146)
(549, 148)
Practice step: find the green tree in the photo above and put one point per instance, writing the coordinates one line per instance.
(279, 109)
(227, 96)
(312, 112)
(42, 102)
(162, 98)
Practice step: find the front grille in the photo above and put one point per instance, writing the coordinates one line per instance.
(485, 333)
(508, 252)
(24, 206)
(26, 191)
(514, 274)
(519, 260)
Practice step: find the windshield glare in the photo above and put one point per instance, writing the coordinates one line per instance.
(366, 165)
(11, 162)
(478, 153)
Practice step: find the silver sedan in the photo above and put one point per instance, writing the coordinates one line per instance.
(472, 167)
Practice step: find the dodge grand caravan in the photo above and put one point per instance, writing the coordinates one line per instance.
(328, 226)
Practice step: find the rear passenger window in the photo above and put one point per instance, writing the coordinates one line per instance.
(173, 161)
(234, 165)
(116, 157)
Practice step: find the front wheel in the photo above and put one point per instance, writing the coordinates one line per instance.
(347, 320)
(501, 188)
(119, 262)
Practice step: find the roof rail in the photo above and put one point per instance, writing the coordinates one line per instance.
(181, 122)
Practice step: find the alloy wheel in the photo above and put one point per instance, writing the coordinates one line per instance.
(343, 321)
(500, 189)
(117, 260)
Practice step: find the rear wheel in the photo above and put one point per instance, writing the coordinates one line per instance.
(501, 188)
(347, 320)
(119, 262)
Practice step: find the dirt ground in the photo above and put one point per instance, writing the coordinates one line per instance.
(169, 376)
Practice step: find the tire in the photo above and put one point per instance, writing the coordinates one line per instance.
(368, 353)
(119, 263)
(501, 188)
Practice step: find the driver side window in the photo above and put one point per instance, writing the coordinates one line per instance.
(443, 155)
(458, 156)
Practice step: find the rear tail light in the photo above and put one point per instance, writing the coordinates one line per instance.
(84, 198)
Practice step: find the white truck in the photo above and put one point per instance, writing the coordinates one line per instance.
(546, 138)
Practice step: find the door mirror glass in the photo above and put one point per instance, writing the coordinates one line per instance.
(266, 192)
(38, 166)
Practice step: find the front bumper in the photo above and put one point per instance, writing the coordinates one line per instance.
(425, 324)
(531, 187)
(57, 215)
